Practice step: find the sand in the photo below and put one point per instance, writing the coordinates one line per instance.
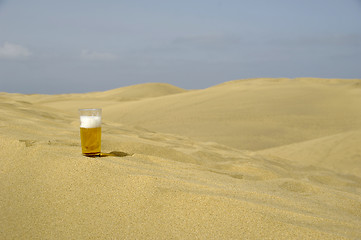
(247, 159)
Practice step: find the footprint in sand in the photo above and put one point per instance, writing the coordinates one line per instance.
(298, 187)
(28, 143)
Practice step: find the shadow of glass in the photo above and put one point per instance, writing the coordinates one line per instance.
(112, 154)
(115, 154)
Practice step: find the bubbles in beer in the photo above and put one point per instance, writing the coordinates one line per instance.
(90, 121)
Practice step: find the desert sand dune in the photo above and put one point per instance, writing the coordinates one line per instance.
(106, 98)
(251, 114)
(340, 152)
(181, 180)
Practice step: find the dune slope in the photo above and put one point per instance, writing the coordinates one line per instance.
(251, 114)
(340, 152)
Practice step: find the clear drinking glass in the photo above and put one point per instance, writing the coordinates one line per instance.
(90, 131)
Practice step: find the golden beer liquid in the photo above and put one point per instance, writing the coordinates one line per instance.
(90, 141)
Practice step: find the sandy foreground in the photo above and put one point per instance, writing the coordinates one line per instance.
(247, 159)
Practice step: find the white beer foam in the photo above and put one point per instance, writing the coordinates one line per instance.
(90, 121)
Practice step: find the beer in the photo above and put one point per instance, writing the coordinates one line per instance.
(90, 141)
(90, 131)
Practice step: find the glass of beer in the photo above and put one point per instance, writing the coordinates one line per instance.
(90, 131)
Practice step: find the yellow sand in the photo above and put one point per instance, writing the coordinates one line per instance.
(247, 159)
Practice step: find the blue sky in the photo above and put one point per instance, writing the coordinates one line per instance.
(80, 46)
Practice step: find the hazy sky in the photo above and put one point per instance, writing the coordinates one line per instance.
(49, 46)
